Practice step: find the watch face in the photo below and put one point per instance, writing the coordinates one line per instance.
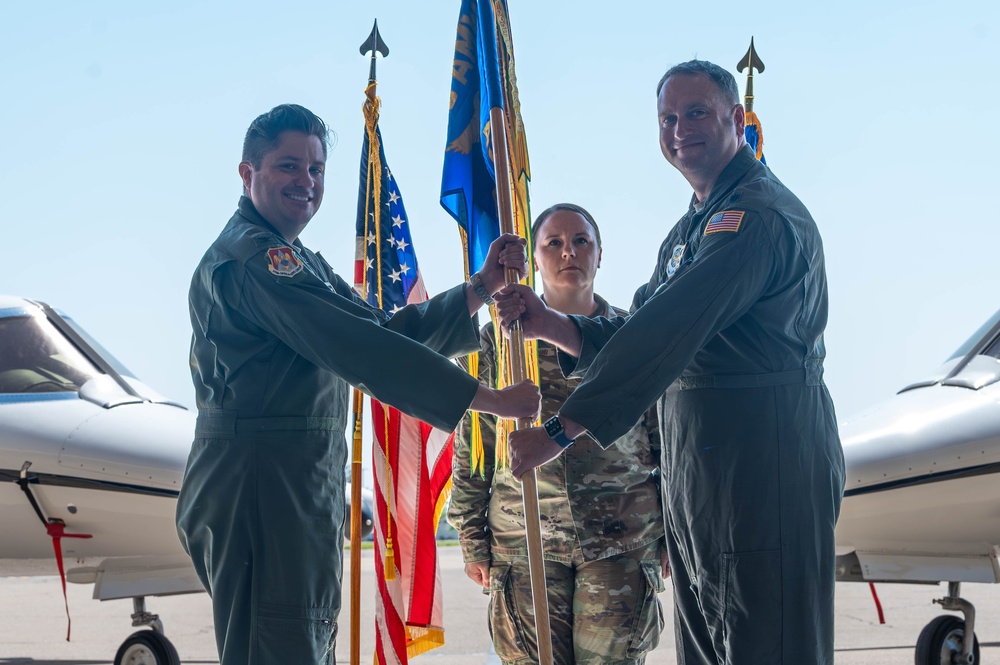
(555, 430)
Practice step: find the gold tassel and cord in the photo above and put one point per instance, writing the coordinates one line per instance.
(374, 217)
(753, 121)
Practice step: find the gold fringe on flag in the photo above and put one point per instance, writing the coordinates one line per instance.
(421, 639)
(390, 554)
(501, 456)
(475, 427)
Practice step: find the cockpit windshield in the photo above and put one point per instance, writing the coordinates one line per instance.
(36, 358)
(977, 338)
(94, 344)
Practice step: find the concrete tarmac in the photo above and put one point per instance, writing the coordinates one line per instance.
(33, 622)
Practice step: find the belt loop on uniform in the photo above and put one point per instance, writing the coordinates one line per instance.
(814, 373)
(215, 422)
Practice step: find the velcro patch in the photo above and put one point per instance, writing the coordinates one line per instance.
(283, 262)
(727, 220)
(675, 260)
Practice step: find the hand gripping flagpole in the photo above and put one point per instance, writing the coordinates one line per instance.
(374, 44)
(518, 364)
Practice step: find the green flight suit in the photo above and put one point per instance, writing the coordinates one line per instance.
(732, 323)
(278, 340)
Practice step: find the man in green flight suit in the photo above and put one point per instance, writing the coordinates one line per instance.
(278, 337)
(727, 338)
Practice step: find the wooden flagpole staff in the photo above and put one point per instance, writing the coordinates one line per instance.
(355, 636)
(374, 44)
(529, 487)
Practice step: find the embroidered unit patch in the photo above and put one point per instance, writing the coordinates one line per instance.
(283, 262)
(727, 220)
(675, 260)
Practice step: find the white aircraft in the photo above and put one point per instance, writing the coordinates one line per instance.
(94, 456)
(922, 498)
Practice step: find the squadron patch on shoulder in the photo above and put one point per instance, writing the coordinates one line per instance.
(675, 260)
(727, 220)
(282, 262)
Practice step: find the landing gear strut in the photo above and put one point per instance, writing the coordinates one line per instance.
(146, 647)
(948, 640)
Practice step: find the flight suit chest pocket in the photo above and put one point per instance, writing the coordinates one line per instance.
(752, 611)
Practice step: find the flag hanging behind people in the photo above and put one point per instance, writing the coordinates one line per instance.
(483, 78)
(411, 461)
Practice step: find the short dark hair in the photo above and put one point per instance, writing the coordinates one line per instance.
(262, 135)
(571, 207)
(723, 80)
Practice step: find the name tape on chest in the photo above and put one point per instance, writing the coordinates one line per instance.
(283, 262)
(727, 220)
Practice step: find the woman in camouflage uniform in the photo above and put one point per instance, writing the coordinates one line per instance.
(601, 517)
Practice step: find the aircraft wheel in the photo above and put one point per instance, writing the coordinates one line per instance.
(147, 647)
(942, 642)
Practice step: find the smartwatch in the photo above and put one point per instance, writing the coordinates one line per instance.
(556, 432)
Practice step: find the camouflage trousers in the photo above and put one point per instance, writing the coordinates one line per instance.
(601, 612)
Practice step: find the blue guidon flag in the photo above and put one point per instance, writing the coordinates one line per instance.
(482, 79)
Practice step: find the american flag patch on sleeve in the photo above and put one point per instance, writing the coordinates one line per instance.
(727, 220)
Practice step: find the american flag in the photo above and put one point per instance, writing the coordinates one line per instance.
(385, 264)
(411, 461)
(727, 220)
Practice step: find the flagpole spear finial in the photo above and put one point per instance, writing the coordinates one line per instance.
(749, 62)
(374, 44)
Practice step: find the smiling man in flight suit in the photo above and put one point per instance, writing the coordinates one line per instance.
(728, 337)
(278, 340)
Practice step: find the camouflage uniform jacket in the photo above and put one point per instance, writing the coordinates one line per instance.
(605, 501)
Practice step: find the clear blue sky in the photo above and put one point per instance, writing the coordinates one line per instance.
(122, 125)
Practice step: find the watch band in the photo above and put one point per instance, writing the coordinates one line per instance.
(477, 285)
(553, 427)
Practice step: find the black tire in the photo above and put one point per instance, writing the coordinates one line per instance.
(147, 647)
(367, 521)
(942, 640)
